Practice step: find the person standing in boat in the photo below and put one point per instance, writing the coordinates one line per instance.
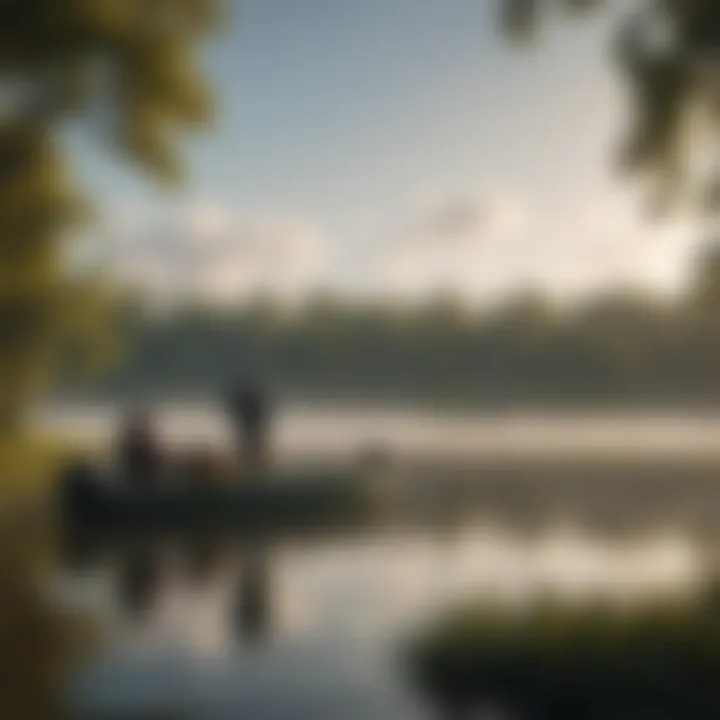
(250, 413)
(139, 455)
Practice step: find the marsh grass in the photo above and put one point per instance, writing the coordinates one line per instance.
(557, 660)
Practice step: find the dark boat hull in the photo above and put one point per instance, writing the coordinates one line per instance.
(312, 500)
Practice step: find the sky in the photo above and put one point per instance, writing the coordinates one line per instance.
(393, 148)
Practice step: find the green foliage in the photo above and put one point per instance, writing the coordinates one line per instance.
(668, 52)
(41, 642)
(125, 71)
(554, 659)
(30, 465)
(133, 58)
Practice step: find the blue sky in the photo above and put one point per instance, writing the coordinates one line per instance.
(394, 147)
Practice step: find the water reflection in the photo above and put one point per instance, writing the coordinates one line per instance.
(221, 626)
(140, 580)
(253, 603)
(206, 558)
(147, 573)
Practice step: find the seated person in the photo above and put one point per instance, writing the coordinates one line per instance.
(204, 467)
(139, 454)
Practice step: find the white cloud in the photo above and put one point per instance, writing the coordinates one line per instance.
(591, 248)
(465, 218)
(449, 241)
(476, 244)
(484, 245)
(208, 251)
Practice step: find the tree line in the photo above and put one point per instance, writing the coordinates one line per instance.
(619, 347)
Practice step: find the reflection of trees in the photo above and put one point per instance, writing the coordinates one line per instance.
(617, 346)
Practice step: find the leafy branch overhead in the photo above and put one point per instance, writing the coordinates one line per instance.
(126, 73)
(129, 67)
(669, 51)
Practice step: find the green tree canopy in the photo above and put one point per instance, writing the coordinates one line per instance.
(126, 71)
(669, 51)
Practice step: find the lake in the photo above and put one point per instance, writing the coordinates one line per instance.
(217, 628)
(316, 430)
(315, 630)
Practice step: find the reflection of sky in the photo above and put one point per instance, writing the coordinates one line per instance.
(339, 611)
(307, 682)
(381, 587)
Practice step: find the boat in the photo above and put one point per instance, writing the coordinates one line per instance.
(306, 498)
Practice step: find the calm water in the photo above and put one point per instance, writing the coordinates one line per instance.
(323, 431)
(315, 630)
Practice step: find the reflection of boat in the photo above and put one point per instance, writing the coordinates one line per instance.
(308, 498)
(140, 581)
(205, 558)
(253, 612)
